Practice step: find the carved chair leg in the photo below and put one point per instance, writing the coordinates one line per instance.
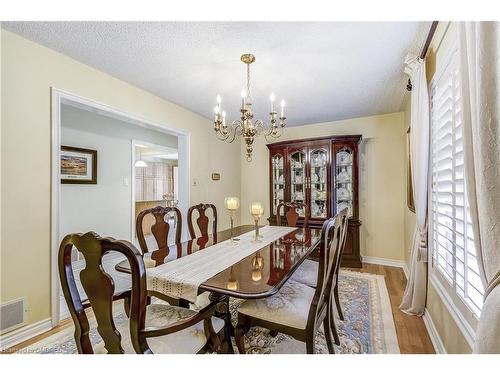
(239, 337)
(222, 311)
(337, 301)
(333, 327)
(212, 337)
(328, 335)
(310, 345)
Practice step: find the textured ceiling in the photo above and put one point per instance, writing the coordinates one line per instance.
(325, 71)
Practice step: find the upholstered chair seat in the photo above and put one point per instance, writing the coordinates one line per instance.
(307, 273)
(187, 341)
(289, 307)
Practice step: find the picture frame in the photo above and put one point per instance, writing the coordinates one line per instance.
(78, 165)
(409, 186)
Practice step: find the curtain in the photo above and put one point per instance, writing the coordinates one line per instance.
(480, 70)
(413, 301)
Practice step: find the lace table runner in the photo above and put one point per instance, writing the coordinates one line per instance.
(182, 277)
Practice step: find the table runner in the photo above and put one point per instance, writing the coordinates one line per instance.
(181, 278)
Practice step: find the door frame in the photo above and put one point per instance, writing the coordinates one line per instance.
(135, 142)
(59, 97)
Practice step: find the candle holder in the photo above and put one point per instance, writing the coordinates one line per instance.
(232, 204)
(257, 209)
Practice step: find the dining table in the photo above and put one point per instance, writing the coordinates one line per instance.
(265, 265)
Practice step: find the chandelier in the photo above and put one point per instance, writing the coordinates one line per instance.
(246, 127)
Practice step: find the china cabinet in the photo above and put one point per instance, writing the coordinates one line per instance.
(323, 174)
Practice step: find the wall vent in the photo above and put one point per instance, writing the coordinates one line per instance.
(12, 315)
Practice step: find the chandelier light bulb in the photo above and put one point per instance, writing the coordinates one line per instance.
(246, 126)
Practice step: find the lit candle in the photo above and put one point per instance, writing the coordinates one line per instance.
(256, 209)
(232, 203)
(216, 113)
(282, 107)
(219, 101)
(243, 96)
(273, 98)
(224, 118)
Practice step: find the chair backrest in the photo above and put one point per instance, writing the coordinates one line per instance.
(160, 228)
(202, 219)
(343, 238)
(100, 289)
(331, 238)
(291, 215)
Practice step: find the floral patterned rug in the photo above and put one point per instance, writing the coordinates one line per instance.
(368, 326)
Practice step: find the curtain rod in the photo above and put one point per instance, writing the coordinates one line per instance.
(425, 48)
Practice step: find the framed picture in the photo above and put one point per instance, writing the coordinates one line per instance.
(409, 187)
(78, 165)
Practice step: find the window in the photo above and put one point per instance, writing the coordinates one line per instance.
(453, 251)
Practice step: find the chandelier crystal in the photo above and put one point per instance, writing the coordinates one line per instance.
(246, 127)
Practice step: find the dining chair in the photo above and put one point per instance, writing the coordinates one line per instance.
(141, 327)
(297, 309)
(160, 227)
(307, 273)
(202, 220)
(291, 215)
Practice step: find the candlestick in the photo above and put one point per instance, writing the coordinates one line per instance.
(273, 98)
(232, 204)
(256, 210)
(282, 108)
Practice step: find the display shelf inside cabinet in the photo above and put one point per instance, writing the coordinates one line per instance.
(323, 174)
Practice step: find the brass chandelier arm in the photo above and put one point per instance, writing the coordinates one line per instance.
(230, 135)
(246, 127)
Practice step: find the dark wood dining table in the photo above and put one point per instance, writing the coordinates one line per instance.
(258, 275)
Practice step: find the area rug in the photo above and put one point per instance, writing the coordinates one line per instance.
(368, 326)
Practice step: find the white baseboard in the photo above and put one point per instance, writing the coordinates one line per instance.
(406, 270)
(386, 262)
(25, 333)
(433, 333)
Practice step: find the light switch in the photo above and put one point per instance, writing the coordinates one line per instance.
(195, 182)
(125, 182)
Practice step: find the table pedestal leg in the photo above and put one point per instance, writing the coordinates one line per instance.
(222, 311)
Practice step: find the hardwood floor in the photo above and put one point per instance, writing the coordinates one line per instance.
(412, 334)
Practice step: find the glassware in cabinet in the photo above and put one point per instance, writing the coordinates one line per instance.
(298, 178)
(318, 183)
(278, 180)
(344, 193)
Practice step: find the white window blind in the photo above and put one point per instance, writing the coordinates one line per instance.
(453, 250)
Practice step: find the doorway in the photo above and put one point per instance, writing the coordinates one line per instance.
(112, 177)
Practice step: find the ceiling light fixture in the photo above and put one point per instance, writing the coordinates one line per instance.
(140, 163)
(245, 126)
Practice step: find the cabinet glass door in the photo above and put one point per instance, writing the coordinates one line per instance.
(278, 180)
(344, 192)
(318, 183)
(298, 178)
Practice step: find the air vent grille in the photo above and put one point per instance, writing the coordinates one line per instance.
(12, 315)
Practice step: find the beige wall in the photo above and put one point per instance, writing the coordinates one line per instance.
(382, 187)
(28, 72)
